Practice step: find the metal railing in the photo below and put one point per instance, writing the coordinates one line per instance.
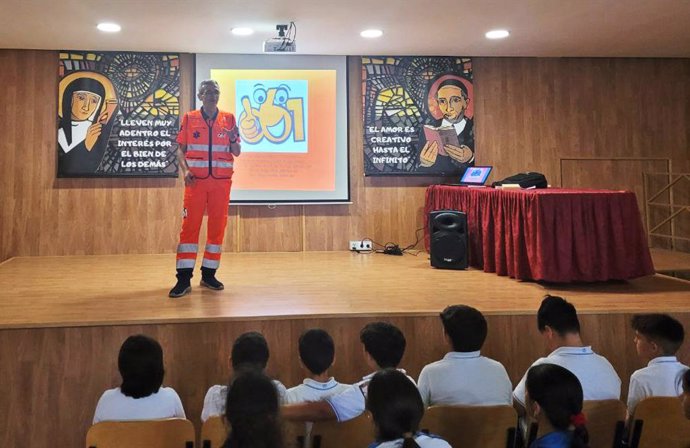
(671, 182)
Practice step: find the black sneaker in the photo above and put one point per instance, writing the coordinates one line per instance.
(209, 280)
(180, 289)
(183, 285)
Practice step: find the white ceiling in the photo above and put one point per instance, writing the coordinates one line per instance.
(642, 28)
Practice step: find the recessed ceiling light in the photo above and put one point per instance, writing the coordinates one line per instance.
(242, 31)
(109, 27)
(497, 34)
(371, 34)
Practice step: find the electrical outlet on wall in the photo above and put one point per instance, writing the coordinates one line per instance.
(358, 245)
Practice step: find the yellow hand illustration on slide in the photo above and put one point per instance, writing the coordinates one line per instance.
(271, 121)
(249, 123)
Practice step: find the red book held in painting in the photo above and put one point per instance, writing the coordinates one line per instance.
(442, 135)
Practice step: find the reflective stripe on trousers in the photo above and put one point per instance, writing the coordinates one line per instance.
(210, 196)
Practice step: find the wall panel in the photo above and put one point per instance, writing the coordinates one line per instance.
(530, 114)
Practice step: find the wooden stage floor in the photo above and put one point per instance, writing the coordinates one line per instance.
(75, 291)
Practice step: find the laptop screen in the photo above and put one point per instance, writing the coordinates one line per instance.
(476, 175)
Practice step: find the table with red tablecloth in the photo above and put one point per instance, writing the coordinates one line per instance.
(554, 235)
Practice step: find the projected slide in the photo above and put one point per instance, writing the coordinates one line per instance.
(292, 116)
(273, 114)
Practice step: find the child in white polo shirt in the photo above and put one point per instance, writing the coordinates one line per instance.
(141, 395)
(463, 376)
(657, 339)
(316, 355)
(558, 323)
(249, 352)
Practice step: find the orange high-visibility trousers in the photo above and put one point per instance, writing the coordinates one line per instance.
(210, 195)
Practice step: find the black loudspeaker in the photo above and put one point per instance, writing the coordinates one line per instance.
(448, 232)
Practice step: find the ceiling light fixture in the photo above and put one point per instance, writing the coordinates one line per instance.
(242, 31)
(107, 27)
(497, 34)
(371, 34)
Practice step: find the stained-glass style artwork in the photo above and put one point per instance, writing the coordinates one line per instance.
(418, 115)
(118, 113)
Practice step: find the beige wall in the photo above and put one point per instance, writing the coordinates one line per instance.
(540, 114)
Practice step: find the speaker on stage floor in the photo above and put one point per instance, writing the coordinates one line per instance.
(448, 234)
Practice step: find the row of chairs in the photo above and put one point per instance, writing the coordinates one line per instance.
(658, 422)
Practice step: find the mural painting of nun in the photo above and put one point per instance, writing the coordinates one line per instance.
(87, 105)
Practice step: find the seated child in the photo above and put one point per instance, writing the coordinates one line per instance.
(657, 339)
(464, 376)
(252, 410)
(397, 409)
(560, 329)
(316, 354)
(249, 352)
(140, 396)
(554, 400)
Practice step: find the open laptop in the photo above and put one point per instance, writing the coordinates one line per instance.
(475, 176)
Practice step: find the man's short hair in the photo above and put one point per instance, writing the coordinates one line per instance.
(206, 82)
(465, 326)
(384, 342)
(662, 329)
(558, 314)
(317, 351)
(455, 83)
(140, 363)
(250, 350)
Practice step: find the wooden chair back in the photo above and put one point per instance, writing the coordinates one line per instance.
(472, 426)
(168, 433)
(214, 431)
(605, 423)
(355, 433)
(659, 422)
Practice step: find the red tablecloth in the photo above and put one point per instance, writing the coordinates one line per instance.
(555, 235)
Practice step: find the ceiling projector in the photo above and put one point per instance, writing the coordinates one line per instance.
(284, 42)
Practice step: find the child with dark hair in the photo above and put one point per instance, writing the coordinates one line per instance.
(463, 376)
(140, 396)
(249, 352)
(686, 393)
(397, 409)
(559, 326)
(252, 410)
(384, 346)
(554, 400)
(657, 339)
(316, 354)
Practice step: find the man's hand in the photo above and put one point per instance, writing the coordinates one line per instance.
(189, 178)
(462, 153)
(234, 134)
(92, 135)
(429, 153)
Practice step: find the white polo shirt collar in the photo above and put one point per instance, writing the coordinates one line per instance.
(330, 384)
(587, 350)
(462, 355)
(662, 359)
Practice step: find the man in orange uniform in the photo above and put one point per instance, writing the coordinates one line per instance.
(207, 144)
